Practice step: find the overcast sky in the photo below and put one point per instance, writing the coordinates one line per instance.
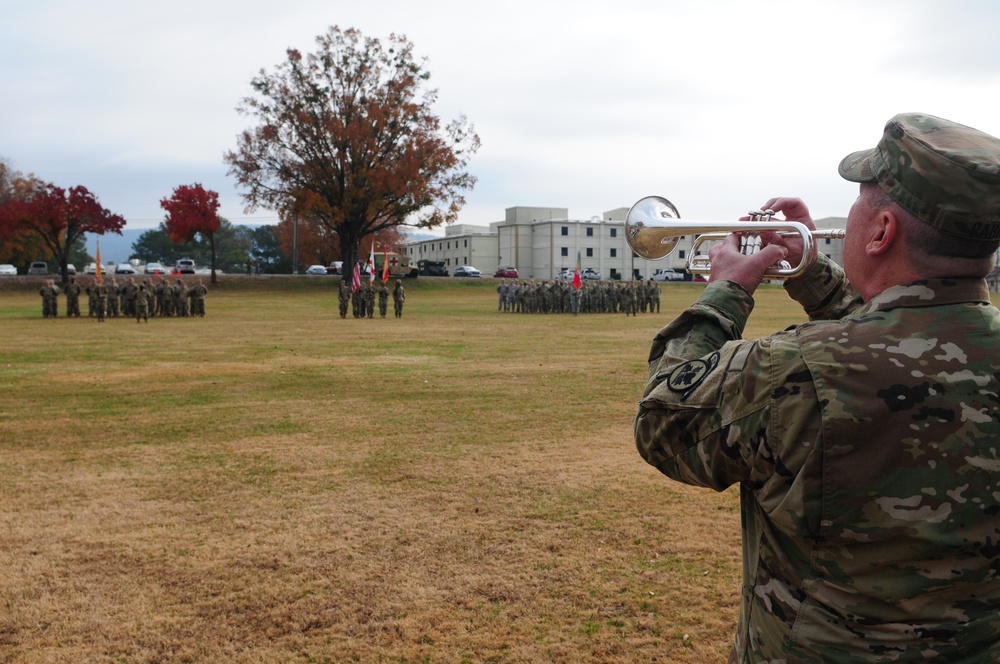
(716, 105)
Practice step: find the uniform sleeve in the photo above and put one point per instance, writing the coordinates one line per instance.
(681, 423)
(824, 291)
(718, 410)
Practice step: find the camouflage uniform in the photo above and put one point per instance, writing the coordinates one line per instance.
(93, 292)
(369, 300)
(73, 291)
(383, 299)
(343, 298)
(112, 294)
(50, 299)
(180, 299)
(865, 446)
(101, 296)
(398, 298)
(197, 295)
(140, 303)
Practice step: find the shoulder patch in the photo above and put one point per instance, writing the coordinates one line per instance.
(692, 373)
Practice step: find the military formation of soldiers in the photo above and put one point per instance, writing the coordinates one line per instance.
(365, 299)
(142, 300)
(560, 297)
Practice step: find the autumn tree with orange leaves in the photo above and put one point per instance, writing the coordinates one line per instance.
(346, 141)
(193, 210)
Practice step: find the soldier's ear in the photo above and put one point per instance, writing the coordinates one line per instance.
(884, 233)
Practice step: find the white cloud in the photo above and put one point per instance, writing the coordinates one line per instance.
(585, 105)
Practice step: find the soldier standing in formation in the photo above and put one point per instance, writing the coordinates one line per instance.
(50, 302)
(398, 298)
(113, 294)
(100, 296)
(383, 299)
(73, 290)
(128, 297)
(93, 290)
(370, 300)
(140, 303)
(166, 297)
(197, 294)
(180, 296)
(343, 297)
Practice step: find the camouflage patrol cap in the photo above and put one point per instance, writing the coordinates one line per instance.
(944, 173)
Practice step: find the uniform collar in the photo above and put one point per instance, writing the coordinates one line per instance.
(929, 293)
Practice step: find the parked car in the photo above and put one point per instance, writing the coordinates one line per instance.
(155, 268)
(668, 274)
(38, 267)
(8, 270)
(185, 266)
(91, 268)
(590, 273)
(466, 271)
(336, 267)
(506, 273)
(124, 268)
(316, 269)
(70, 270)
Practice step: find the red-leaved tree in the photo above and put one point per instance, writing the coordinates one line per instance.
(59, 217)
(191, 210)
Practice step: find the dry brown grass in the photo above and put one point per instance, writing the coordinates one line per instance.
(274, 484)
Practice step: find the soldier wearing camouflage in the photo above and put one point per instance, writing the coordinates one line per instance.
(398, 298)
(864, 442)
(343, 297)
(73, 291)
(383, 299)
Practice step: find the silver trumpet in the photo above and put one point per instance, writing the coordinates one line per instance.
(653, 226)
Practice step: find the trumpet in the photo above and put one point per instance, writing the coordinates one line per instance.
(653, 226)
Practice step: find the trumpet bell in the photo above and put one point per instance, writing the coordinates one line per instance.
(651, 212)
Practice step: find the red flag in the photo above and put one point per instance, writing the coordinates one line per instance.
(356, 277)
(385, 266)
(576, 273)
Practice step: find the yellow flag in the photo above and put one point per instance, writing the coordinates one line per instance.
(98, 272)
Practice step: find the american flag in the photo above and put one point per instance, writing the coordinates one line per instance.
(356, 277)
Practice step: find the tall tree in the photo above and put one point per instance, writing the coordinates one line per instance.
(346, 138)
(266, 253)
(193, 210)
(59, 217)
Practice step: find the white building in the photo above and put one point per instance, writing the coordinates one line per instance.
(462, 244)
(540, 241)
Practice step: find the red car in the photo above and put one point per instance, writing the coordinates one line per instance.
(506, 273)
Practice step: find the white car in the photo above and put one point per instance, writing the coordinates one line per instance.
(668, 275)
(316, 269)
(8, 270)
(124, 268)
(155, 268)
(466, 271)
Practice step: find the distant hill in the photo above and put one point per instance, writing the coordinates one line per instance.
(117, 248)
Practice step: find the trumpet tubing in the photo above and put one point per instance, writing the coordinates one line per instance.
(653, 226)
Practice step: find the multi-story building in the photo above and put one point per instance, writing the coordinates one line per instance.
(541, 241)
(462, 244)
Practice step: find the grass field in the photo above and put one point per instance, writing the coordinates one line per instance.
(274, 484)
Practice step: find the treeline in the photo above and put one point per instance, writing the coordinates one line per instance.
(234, 247)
